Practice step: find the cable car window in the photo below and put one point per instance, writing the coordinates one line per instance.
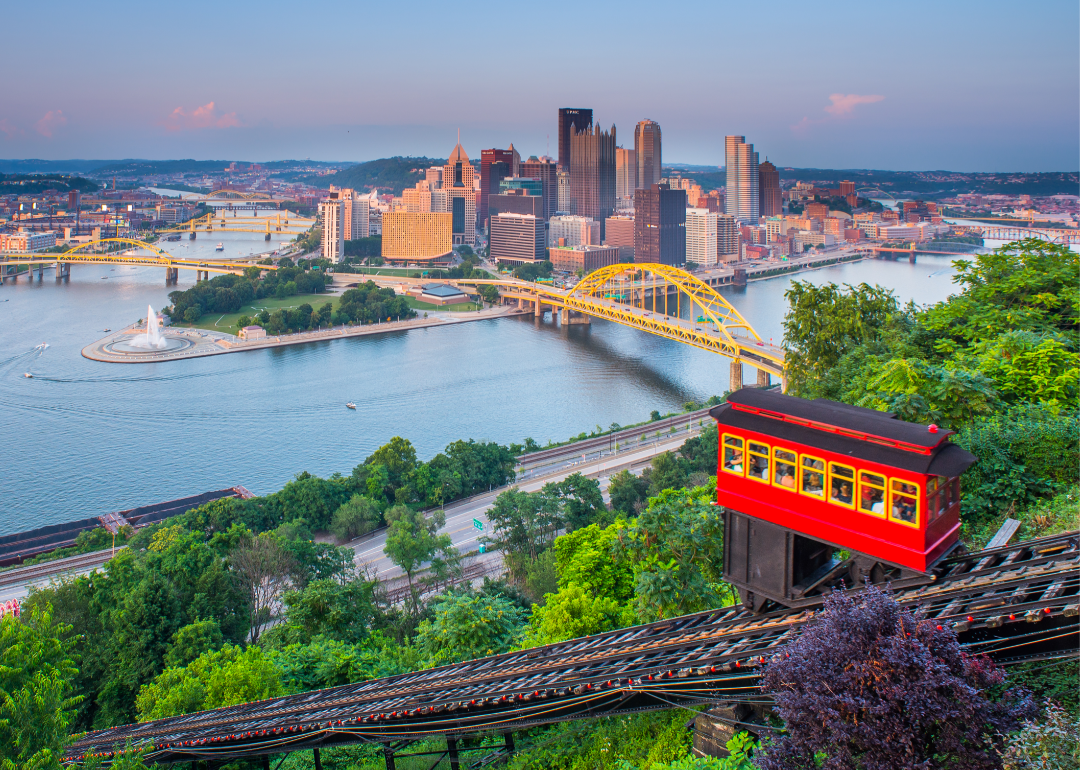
(734, 461)
(952, 492)
(784, 473)
(936, 496)
(872, 494)
(904, 502)
(841, 485)
(758, 467)
(812, 481)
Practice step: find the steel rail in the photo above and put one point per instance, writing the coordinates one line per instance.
(1015, 602)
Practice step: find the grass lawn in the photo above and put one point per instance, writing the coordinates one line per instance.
(227, 323)
(405, 271)
(459, 307)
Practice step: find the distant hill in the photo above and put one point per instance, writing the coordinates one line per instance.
(386, 174)
(35, 166)
(33, 184)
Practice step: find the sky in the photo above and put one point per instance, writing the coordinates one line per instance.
(957, 85)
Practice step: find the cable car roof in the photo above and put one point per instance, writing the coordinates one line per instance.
(859, 433)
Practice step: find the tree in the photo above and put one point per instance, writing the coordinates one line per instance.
(591, 558)
(467, 626)
(666, 472)
(262, 568)
(37, 702)
(489, 293)
(357, 517)
(413, 544)
(398, 456)
(627, 491)
(872, 688)
(223, 677)
(1053, 744)
(571, 613)
(676, 546)
(823, 322)
(327, 608)
(191, 641)
(578, 499)
(523, 523)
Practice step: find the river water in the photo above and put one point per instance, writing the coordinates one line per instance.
(82, 438)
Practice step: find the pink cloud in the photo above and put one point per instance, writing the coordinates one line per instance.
(206, 116)
(843, 104)
(49, 122)
(8, 129)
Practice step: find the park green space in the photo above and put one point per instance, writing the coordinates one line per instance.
(458, 307)
(227, 322)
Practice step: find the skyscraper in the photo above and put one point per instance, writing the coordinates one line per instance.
(625, 173)
(771, 201)
(701, 236)
(457, 181)
(647, 149)
(660, 225)
(546, 172)
(495, 165)
(571, 116)
(592, 173)
(562, 195)
(743, 197)
(333, 227)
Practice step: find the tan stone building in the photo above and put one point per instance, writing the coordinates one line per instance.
(417, 236)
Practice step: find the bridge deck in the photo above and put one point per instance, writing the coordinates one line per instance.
(1016, 602)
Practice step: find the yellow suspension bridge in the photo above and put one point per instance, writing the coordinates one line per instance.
(652, 298)
(120, 251)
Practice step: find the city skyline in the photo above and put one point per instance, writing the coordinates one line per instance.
(969, 87)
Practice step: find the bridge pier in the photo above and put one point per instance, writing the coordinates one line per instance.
(172, 275)
(63, 270)
(191, 235)
(762, 378)
(568, 317)
(735, 380)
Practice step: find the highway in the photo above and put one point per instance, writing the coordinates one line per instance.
(591, 457)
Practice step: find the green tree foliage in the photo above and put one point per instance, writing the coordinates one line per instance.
(354, 518)
(825, 321)
(463, 469)
(414, 544)
(228, 293)
(221, 678)
(1052, 744)
(191, 641)
(523, 523)
(591, 558)
(37, 699)
(327, 608)
(578, 499)
(570, 613)
(363, 248)
(465, 626)
(329, 662)
(368, 304)
(530, 271)
(627, 492)
(676, 547)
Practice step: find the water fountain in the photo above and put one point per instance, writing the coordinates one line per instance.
(153, 339)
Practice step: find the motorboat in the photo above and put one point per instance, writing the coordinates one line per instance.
(220, 247)
(350, 405)
(106, 330)
(28, 376)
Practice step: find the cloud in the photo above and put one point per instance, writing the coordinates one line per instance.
(206, 116)
(7, 129)
(49, 122)
(843, 104)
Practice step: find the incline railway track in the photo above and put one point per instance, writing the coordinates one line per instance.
(1013, 603)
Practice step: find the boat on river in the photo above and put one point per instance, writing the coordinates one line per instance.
(351, 405)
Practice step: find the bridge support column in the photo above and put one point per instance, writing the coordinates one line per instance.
(538, 308)
(762, 378)
(451, 750)
(63, 270)
(568, 317)
(736, 380)
(509, 739)
(388, 757)
(521, 303)
(318, 759)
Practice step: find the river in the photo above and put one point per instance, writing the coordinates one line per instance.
(82, 438)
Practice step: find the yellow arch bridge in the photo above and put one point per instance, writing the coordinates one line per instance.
(119, 251)
(661, 300)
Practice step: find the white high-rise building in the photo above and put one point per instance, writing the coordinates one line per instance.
(625, 173)
(742, 180)
(333, 227)
(573, 230)
(562, 190)
(701, 236)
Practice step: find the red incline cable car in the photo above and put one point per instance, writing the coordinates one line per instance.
(819, 493)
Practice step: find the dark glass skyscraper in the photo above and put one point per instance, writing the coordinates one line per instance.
(660, 225)
(495, 165)
(592, 173)
(771, 201)
(571, 116)
(647, 153)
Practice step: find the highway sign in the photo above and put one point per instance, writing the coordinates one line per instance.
(477, 524)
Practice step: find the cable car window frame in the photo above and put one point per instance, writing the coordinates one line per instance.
(822, 472)
(884, 489)
(742, 449)
(854, 481)
(916, 495)
(793, 464)
(766, 455)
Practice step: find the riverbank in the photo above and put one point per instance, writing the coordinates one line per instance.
(198, 343)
